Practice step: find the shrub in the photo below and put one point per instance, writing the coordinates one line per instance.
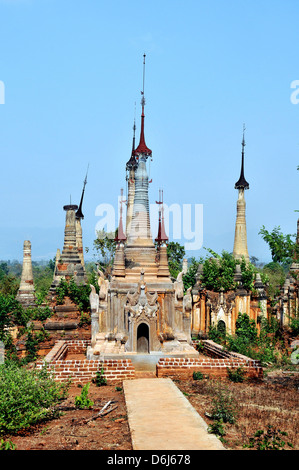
(236, 375)
(294, 325)
(223, 406)
(79, 294)
(27, 397)
(82, 401)
(271, 439)
(99, 379)
(197, 375)
(217, 428)
(7, 445)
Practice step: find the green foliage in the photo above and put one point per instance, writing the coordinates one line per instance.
(92, 275)
(189, 277)
(224, 407)
(282, 246)
(84, 319)
(197, 375)
(79, 294)
(43, 277)
(11, 312)
(7, 445)
(31, 347)
(105, 246)
(217, 428)
(199, 346)
(267, 347)
(175, 253)
(217, 334)
(294, 325)
(271, 439)
(218, 272)
(99, 379)
(236, 375)
(83, 401)
(27, 397)
(39, 313)
(275, 275)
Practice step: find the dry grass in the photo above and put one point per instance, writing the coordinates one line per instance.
(273, 401)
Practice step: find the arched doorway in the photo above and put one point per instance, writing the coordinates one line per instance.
(143, 338)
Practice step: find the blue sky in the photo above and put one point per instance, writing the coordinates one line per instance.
(72, 72)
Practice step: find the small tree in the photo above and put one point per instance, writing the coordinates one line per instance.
(282, 246)
(105, 246)
(175, 253)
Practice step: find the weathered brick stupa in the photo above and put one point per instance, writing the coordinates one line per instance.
(68, 264)
(240, 244)
(140, 310)
(26, 292)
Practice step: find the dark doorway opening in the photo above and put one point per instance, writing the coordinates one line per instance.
(221, 327)
(143, 338)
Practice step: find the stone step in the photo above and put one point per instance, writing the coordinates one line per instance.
(142, 374)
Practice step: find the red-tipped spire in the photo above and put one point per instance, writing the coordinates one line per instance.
(162, 237)
(142, 147)
(120, 234)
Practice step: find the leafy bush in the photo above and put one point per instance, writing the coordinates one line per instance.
(79, 294)
(271, 439)
(40, 313)
(223, 406)
(217, 428)
(236, 375)
(83, 401)
(99, 379)
(294, 325)
(7, 445)
(197, 375)
(244, 340)
(27, 397)
(189, 277)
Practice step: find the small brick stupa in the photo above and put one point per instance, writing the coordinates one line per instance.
(26, 292)
(69, 264)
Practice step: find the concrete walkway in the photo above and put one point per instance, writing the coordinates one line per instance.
(161, 418)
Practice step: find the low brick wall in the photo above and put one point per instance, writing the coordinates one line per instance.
(83, 371)
(215, 365)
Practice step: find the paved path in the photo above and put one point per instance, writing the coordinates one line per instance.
(161, 418)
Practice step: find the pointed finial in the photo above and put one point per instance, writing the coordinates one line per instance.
(142, 93)
(242, 183)
(142, 148)
(243, 140)
(79, 213)
(120, 235)
(161, 237)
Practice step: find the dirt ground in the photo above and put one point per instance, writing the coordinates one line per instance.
(274, 400)
(72, 431)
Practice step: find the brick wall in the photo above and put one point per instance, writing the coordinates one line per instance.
(83, 371)
(183, 368)
(215, 364)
